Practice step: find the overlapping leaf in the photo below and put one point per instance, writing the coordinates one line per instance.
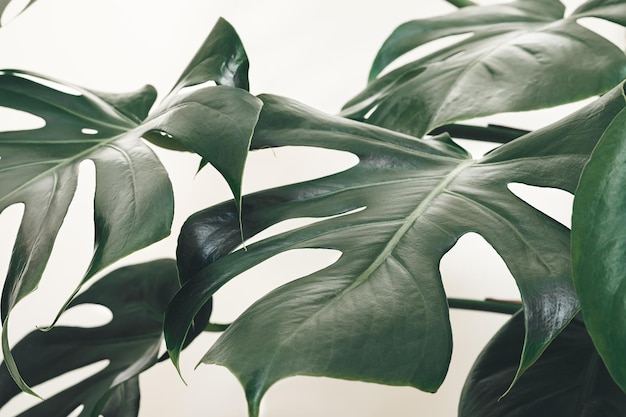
(137, 296)
(599, 247)
(380, 313)
(133, 197)
(518, 57)
(568, 380)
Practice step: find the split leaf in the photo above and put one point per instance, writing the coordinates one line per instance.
(133, 198)
(518, 57)
(136, 296)
(379, 313)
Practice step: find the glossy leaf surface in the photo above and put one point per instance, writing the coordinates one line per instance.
(569, 379)
(136, 296)
(380, 313)
(514, 60)
(133, 198)
(599, 247)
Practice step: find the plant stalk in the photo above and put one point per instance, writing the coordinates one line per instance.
(493, 306)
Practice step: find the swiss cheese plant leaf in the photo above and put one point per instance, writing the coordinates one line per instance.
(4, 4)
(133, 197)
(379, 313)
(568, 380)
(130, 342)
(599, 247)
(518, 56)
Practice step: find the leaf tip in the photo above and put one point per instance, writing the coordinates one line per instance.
(12, 365)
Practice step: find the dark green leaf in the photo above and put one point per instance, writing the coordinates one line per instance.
(137, 296)
(380, 313)
(410, 35)
(216, 123)
(221, 58)
(518, 57)
(133, 197)
(568, 380)
(599, 247)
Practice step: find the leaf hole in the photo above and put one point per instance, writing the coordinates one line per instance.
(477, 148)
(89, 131)
(275, 167)
(86, 316)
(426, 49)
(13, 120)
(610, 31)
(241, 292)
(532, 119)
(292, 224)
(76, 412)
(371, 111)
(70, 256)
(49, 83)
(10, 220)
(553, 202)
(51, 387)
(197, 87)
(473, 269)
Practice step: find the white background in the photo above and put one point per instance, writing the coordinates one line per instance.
(317, 52)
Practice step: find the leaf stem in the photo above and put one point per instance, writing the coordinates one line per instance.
(490, 305)
(461, 3)
(490, 133)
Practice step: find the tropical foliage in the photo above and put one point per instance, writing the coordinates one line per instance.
(380, 312)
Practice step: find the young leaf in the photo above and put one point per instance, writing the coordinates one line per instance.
(568, 380)
(137, 296)
(518, 57)
(599, 248)
(380, 313)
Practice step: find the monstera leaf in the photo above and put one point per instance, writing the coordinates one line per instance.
(137, 296)
(133, 197)
(380, 313)
(598, 248)
(518, 57)
(568, 380)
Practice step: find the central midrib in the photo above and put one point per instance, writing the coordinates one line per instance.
(409, 221)
(263, 377)
(390, 246)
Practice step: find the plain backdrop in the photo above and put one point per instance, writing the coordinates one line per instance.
(317, 52)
